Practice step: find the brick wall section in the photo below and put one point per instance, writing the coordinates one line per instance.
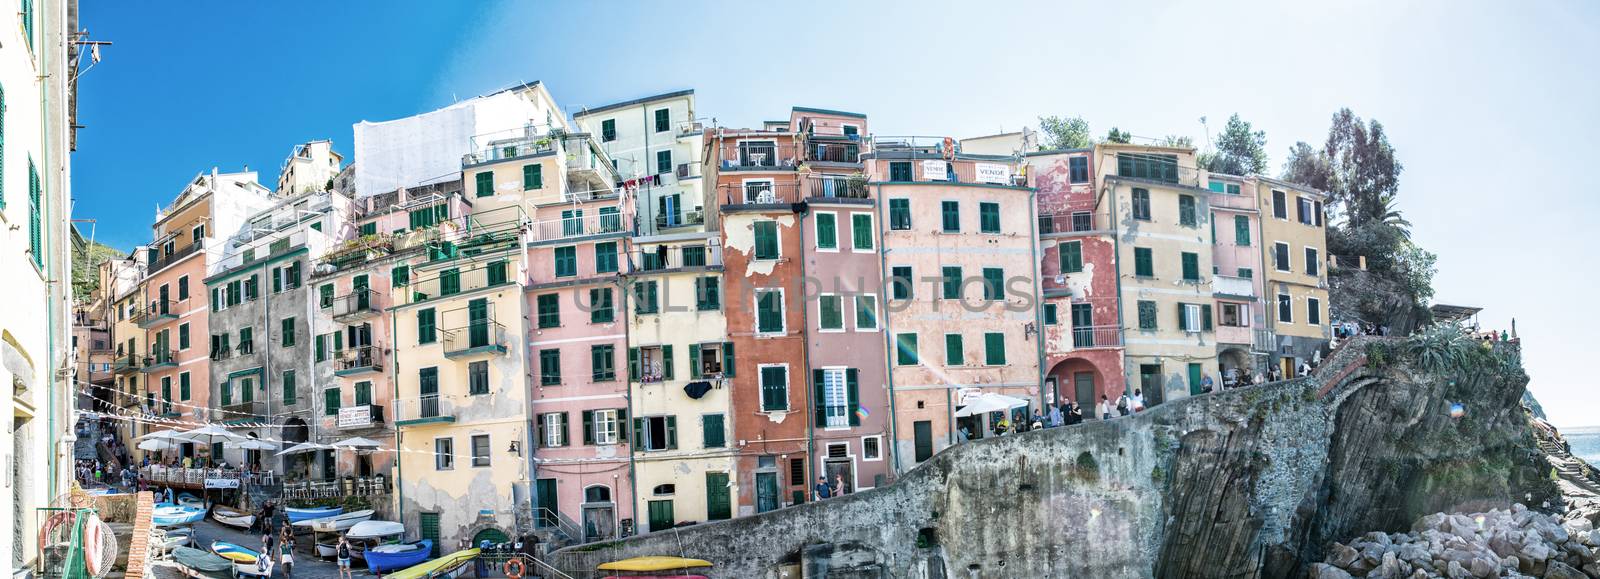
(139, 546)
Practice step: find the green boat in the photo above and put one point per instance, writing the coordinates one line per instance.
(447, 566)
(199, 563)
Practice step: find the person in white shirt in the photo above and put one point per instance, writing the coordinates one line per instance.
(1105, 408)
(1138, 400)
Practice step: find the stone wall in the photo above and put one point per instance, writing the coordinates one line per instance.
(1243, 483)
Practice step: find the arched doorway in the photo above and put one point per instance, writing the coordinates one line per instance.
(295, 431)
(599, 513)
(1234, 363)
(1078, 380)
(490, 534)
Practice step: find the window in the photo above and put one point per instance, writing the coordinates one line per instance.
(480, 450)
(605, 257)
(774, 388)
(899, 214)
(478, 377)
(993, 283)
(951, 282)
(950, 212)
(832, 397)
(369, 229)
(608, 130)
(645, 297)
(363, 393)
(769, 311)
(1141, 204)
(1078, 169)
(1051, 316)
(900, 287)
(550, 367)
(1313, 311)
(905, 346)
(485, 184)
(709, 359)
(664, 161)
(1303, 210)
(602, 362)
(900, 171)
(288, 387)
(953, 353)
(707, 292)
(566, 261)
(429, 216)
(989, 217)
(1234, 315)
(1191, 266)
(1280, 256)
(1082, 221)
(1241, 230)
(183, 386)
(694, 256)
(766, 233)
(425, 326)
(1071, 256)
(656, 432)
(711, 427)
(829, 314)
(601, 310)
(552, 429)
(662, 121)
(183, 336)
(1143, 262)
(444, 453)
(1194, 317)
(1280, 205)
(1186, 211)
(330, 401)
(549, 307)
(866, 312)
(1246, 273)
(532, 177)
(1148, 166)
(861, 231)
(325, 296)
(1313, 265)
(183, 288)
(994, 349)
(1285, 309)
(601, 427)
(247, 343)
(450, 282)
(1147, 315)
(498, 272)
(827, 231)
(35, 203)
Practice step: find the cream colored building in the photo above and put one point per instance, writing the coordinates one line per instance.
(1295, 260)
(657, 143)
(311, 166)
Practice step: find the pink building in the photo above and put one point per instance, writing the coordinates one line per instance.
(1238, 283)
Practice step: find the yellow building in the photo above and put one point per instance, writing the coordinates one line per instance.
(1295, 256)
(1161, 219)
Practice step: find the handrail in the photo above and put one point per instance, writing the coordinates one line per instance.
(561, 524)
(542, 566)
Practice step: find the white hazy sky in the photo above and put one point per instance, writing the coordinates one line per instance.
(1493, 107)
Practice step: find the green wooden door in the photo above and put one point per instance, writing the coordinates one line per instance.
(1082, 325)
(1083, 388)
(923, 433)
(718, 505)
(430, 529)
(545, 491)
(661, 515)
(493, 536)
(1194, 379)
(766, 491)
(359, 287)
(478, 319)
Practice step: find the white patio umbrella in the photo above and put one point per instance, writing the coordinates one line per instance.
(358, 443)
(157, 445)
(209, 434)
(300, 448)
(160, 435)
(989, 402)
(251, 444)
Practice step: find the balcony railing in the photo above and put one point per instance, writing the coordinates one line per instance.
(361, 486)
(171, 258)
(762, 193)
(1067, 221)
(1243, 287)
(759, 158)
(126, 363)
(664, 257)
(424, 410)
(680, 219)
(244, 409)
(360, 417)
(157, 312)
(486, 336)
(356, 305)
(590, 223)
(834, 152)
(358, 360)
(1096, 337)
(1265, 341)
(836, 188)
(158, 360)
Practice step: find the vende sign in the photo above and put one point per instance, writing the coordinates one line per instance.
(222, 483)
(994, 173)
(933, 170)
(355, 416)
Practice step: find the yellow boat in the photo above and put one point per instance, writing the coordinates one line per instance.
(446, 566)
(654, 563)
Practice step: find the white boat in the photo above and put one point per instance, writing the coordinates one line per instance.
(338, 523)
(375, 529)
(233, 517)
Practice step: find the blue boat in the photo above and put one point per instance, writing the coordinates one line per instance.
(297, 515)
(384, 558)
(174, 516)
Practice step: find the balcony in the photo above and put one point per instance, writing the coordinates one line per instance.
(762, 156)
(1229, 286)
(578, 226)
(360, 360)
(834, 153)
(360, 417)
(1265, 341)
(158, 360)
(1066, 222)
(424, 410)
(664, 257)
(246, 410)
(483, 337)
(1096, 337)
(126, 364)
(843, 188)
(355, 306)
(759, 193)
(156, 314)
(348, 486)
(162, 262)
(680, 219)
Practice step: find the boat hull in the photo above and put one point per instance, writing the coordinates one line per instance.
(379, 561)
(448, 566)
(297, 515)
(340, 522)
(234, 552)
(175, 516)
(239, 520)
(197, 563)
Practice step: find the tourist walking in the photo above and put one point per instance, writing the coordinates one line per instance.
(343, 551)
(839, 489)
(1105, 407)
(1138, 400)
(822, 490)
(1122, 404)
(286, 555)
(1055, 416)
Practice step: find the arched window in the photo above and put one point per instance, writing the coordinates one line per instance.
(597, 494)
(665, 489)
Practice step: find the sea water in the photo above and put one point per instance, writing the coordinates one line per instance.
(1585, 443)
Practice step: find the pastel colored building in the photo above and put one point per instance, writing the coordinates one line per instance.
(1238, 281)
(1082, 317)
(310, 167)
(657, 143)
(962, 226)
(1161, 219)
(1295, 257)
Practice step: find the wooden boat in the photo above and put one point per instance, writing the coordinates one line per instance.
(398, 556)
(188, 500)
(339, 522)
(170, 541)
(297, 515)
(234, 552)
(375, 530)
(197, 563)
(174, 516)
(233, 517)
(445, 567)
(652, 564)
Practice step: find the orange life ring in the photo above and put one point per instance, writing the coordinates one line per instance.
(514, 568)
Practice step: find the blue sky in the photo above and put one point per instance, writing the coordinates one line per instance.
(1494, 107)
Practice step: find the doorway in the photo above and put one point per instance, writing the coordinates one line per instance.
(599, 514)
(836, 468)
(545, 494)
(766, 491)
(922, 430)
(1150, 382)
(1083, 388)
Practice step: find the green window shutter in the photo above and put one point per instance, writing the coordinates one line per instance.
(950, 212)
(664, 161)
(1050, 315)
(993, 282)
(829, 316)
(1183, 319)
(989, 217)
(906, 349)
(672, 432)
(532, 177)
(952, 282)
(183, 386)
(183, 336)
(326, 294)
(216, 299)
(549, 310)
(288, 386)
(861, 231)
(633, 364)
(1205, 317)
(769, 312)
(1071, 257)
(321, 344)
(901, 282)
(1191, 266)
(330, 401)
(1186, 213)
(866, 312)
(287, 330)
(994, 348)
(400, 275)
(711, 425)
(953, 355)
(550, 367)
(566, 261)
(819, 404)
(852, 396)
(605, 257)
(363, 393)
(694, 361)
(666, 362)
(707, 293)
(497, 272)
(425, 326)
(1147, 315)
(485, 182)
(450, 282)
(662, 120)
(766, 234)
(899, 214)
(727, 359)
(1241, 230)
(338, 341)
(1143, 264)
(827, 231)
(588, 427)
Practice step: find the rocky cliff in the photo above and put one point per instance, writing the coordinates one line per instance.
(1256, 482)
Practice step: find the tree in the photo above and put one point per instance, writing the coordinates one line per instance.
(1361, 167)
(1240, 150)
(86, 267)
(1115, 136)
(1177, 141)
(1065, 133)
